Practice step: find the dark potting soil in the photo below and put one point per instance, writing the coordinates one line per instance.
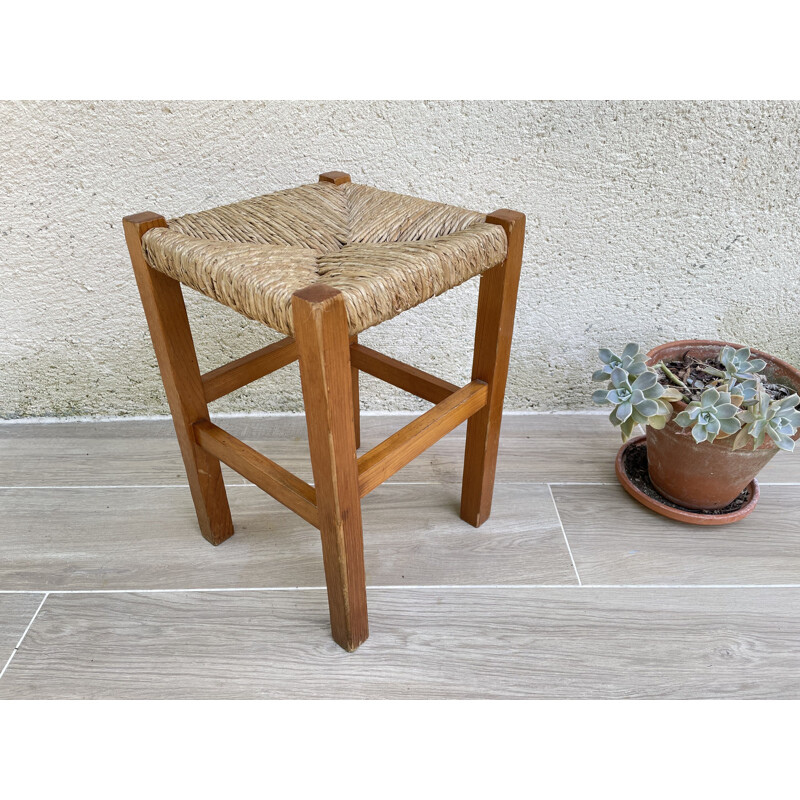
(690, 371)
(634, 462)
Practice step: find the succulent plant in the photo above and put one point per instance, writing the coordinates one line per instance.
(779, 419)
(737, 363)
(632, 360)
(711, 416)
(735, 403)
(637, 402)
(740, 373)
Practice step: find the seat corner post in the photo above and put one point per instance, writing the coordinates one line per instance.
(321, 332)
(335, 177)
(168, 322)
(497, 302)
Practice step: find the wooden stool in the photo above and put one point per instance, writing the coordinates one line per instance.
(321, 263)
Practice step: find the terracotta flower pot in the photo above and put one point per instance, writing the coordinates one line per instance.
(707, 475)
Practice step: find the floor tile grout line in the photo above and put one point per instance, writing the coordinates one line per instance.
(24, 634)
(399, 586)
(566, 541)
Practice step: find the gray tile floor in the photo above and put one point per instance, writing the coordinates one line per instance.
(570, 589)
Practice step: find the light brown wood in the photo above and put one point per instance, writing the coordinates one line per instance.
(335, 177)
(236, 374)
(403, 376)
(276, 481)
(404, 446)
(172, 341)
(497, 301)
(356, 400)
(321, 330)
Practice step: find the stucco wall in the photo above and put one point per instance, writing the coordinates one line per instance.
(646, 221)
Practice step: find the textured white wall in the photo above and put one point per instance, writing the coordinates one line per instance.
(646, 221)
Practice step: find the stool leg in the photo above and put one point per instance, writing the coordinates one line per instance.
(320, 329)
(497, 301)
(172, 341)
(356, 401)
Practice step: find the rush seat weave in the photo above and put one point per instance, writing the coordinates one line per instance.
(384, 252)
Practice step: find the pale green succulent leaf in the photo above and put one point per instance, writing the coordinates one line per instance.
(607, 356)
(647, 407)
(726, 411)
(630, 350)
(789, 403)
(699, 433)
(709, 397)
(619, 377)
(783, 441)
(624, 410)
(654, 392)
(647, 380)
(730, 426)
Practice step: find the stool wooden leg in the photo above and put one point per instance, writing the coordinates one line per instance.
(320, 327)
(497, 301)
(356, 401)
(172, 341)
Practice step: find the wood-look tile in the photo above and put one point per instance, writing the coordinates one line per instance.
(16, 611)
(533, 448)
(427, 643)
(142, 538)
(615, 540)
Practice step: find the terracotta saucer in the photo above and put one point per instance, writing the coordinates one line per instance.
(652, 500)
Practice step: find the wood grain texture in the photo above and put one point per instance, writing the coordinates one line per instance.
(405, 377)
(355, 381)
(615, 540)
(465, 643)
(16, 611)
(497, 303)
(112, 538)
(391, 455)
(276, 481)
(168, 322)
(321, 330)
(335, 177)
(236, 374)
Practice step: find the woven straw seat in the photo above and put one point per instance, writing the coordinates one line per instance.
(385, 252)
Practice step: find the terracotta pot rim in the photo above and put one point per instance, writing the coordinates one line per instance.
(679, 514)
(680, 405)
(690, 342)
